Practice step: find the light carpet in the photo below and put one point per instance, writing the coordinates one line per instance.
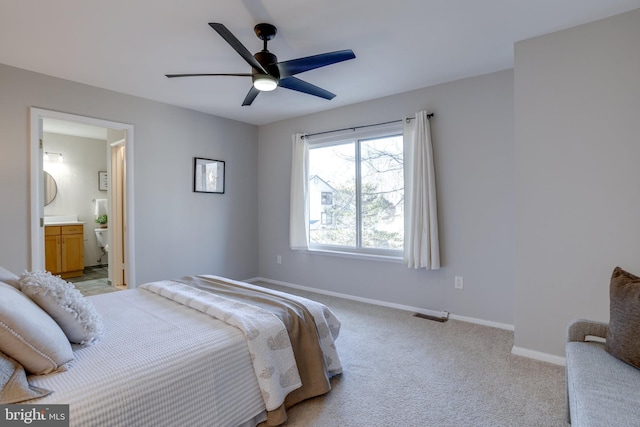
(400, 370)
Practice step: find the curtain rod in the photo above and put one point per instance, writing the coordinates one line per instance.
(353, 128)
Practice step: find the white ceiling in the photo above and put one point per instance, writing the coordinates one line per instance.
(63, 127)
(128, 45)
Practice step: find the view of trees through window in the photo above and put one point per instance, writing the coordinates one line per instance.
(366, 182)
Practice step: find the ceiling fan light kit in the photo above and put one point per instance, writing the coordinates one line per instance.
(267, 73)
(264, 82)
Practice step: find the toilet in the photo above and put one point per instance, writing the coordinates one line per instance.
(103, 238)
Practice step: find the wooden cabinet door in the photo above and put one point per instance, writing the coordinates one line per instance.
(52, 255)
(64, 250)
(72, 253)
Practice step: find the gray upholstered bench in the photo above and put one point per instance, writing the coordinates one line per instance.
(601, 389)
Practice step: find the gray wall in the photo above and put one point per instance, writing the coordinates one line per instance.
(177, 232)
(473, 145)
(577, 127)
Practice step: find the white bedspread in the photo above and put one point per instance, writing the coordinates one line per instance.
(158, 364)
(271, 353)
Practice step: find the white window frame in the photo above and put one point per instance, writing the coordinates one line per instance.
(362, 134)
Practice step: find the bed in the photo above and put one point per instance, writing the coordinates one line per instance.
(199, 351)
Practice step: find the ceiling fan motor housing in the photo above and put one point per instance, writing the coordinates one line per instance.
(269, 61)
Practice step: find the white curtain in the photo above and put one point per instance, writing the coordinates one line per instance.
(421, 246)
(299, 210)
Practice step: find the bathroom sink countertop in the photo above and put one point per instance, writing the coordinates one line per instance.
(62, 220)
(65, 223)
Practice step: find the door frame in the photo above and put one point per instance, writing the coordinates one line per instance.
(116, 161)
(37, 184)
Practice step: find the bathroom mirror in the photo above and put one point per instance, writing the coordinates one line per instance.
(50, 188)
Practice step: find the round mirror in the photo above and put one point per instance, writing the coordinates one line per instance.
(50, 188)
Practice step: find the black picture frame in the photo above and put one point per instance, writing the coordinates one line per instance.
(208, 175)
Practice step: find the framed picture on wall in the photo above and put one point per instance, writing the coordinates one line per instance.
(208, 175)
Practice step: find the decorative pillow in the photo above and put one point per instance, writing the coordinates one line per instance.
(29, 335)
(9, 278)
(75, 314)
(623, 336)
(14, 384)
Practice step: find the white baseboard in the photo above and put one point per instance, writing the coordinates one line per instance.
(387, 304)
(483, 322)
(538, 355)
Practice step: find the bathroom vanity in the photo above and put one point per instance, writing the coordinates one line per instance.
(64, 249)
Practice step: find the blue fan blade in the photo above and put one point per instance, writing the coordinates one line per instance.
(294, 83)
(300, 65)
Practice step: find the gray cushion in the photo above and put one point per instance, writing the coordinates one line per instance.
(29, 335)
(603, 390)
(623, 337)
(14, 384)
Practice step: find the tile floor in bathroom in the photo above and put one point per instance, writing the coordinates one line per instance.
(92, 273)
(93, 281)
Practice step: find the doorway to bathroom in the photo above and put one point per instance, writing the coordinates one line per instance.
(89, 163)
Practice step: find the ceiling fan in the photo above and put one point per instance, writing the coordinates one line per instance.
(267, 73)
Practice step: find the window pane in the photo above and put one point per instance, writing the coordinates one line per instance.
(332, 195)
(382, 193)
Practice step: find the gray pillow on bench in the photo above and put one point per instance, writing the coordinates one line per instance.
(623, 337)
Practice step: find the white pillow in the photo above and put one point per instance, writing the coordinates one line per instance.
(75, 314)
(9, 278)
(29, 335)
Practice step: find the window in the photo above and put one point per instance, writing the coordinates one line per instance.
(360, 185)
(326, 218)
(326, 198)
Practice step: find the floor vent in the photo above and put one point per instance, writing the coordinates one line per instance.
(442, 318)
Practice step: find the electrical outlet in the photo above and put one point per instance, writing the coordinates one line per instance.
(278, 259)
(458, 282)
